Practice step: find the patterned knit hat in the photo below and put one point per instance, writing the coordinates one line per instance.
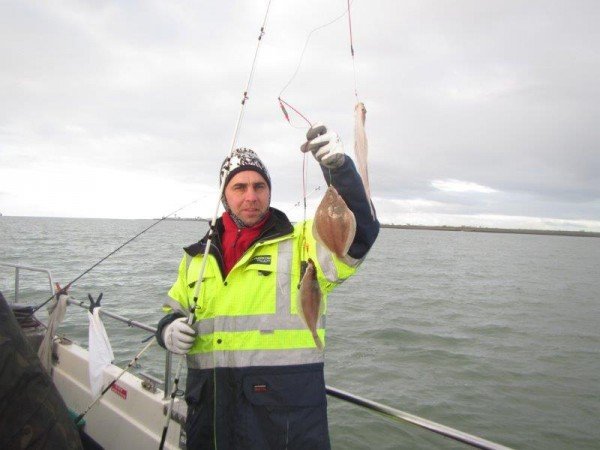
(243, 159)
(240, 160)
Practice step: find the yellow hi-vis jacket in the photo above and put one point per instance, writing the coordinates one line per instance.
(250, 318)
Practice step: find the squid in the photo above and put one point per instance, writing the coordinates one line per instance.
(361, 149)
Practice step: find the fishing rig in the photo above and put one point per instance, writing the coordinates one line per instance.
(174, 388)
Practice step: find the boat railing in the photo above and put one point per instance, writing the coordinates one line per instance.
(387, 411)
(19, 267)
(142, 326)
(131, 323)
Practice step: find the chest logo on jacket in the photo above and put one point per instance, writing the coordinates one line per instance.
(261, 259)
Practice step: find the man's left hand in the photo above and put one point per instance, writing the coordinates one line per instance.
(325, 145)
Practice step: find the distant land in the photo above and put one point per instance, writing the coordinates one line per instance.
(198, 219)
(467, 229)
(470, 229)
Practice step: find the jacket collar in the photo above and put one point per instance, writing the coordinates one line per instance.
(277, 225)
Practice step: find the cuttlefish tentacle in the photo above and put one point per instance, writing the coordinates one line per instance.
(309, 303)
(361, 148)
(334, 225)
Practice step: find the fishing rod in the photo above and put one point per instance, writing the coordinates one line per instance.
(212, 226)
(64, 289)
(112, 383)
(81, 304)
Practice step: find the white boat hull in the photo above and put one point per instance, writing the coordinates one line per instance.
(128, 416)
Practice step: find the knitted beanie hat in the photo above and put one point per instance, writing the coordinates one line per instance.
(243, 159)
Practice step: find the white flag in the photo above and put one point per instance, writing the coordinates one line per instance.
(100, 351)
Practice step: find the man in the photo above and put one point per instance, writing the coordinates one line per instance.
(255, 376)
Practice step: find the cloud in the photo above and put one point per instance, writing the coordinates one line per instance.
(461, 186)
(479, 109)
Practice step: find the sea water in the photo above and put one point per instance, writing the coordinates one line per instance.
(497, 335)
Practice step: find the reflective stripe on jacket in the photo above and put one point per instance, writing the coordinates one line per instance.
(250, 318)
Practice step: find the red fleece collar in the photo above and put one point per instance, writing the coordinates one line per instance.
(235, 241)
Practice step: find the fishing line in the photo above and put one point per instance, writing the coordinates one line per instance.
(293, 77)
(283, 104)
(306, 45)
(352, 51)
(307, 195)
(149, 341)
(304, 243)
(64, 290)
(112, 383)
(194, 304)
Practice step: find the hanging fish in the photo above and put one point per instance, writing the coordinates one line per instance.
(309, 303)
(361, 148)
(334, 225)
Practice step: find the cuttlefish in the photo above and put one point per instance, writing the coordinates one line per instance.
(334, 225)
(361, 148)
(309, 303)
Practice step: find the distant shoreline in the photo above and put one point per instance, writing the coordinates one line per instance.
(194, 219)
(469, 229)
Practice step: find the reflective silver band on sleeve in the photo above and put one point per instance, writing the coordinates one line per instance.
(325, 258)
(352, 262)
(175, 306)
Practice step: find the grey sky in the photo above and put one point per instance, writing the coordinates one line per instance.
(479, 113)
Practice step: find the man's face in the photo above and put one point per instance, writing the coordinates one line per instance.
(248, 195)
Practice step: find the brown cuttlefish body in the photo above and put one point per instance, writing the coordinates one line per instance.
(309, 301)
(334, 225)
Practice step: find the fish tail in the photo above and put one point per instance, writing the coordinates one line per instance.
(318, 341)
